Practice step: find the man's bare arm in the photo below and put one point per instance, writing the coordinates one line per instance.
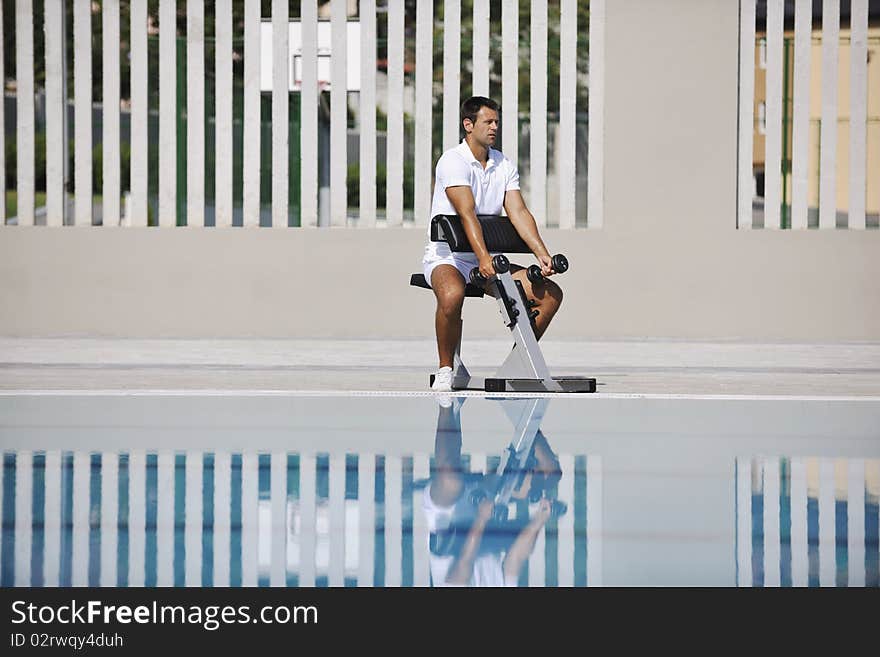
(462, 568)
(462, 199)
(525, 225)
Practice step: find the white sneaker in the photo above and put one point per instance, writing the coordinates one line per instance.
(442, 380)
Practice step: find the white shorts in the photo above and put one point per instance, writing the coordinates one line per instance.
(438, 253)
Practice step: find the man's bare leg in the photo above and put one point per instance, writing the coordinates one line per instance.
(448, 286)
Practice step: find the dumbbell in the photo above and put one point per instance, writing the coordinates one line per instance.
(499, 262)
(559, 263)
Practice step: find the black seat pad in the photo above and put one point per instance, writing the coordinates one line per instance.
(418, 280)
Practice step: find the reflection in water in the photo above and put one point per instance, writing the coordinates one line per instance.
(194, 518)
(807, 522)
(475, 537)
(322, 514)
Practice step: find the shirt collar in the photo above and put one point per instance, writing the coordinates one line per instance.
(468, 155)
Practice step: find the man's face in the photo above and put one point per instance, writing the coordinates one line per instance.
(485, 128)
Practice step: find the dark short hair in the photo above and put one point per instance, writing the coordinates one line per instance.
(471, 107)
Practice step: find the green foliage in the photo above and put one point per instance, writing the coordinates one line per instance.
(353, 182)
(98, 166)
(11, 155)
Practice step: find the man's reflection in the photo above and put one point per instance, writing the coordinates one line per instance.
(472, 541)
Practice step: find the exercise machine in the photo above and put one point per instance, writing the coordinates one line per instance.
(525, 369)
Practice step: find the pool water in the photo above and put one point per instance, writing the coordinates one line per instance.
(352, 490)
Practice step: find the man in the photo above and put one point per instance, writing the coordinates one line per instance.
(473, 178)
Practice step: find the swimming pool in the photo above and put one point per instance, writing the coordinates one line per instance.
(298, 489)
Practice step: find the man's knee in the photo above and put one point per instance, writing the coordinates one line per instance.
(551, 293)
(450, 301)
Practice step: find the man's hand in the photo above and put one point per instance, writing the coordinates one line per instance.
(546, 265)
(487, 269)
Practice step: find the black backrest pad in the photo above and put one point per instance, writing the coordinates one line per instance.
(498, 233)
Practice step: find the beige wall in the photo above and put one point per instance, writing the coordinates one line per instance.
(668, 263)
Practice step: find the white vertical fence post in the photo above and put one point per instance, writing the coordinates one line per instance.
(81, 516)
(799, 543)
(424, 102)
(165, 517)
(773, 141)
(565, 524)
(828, 138)
(139, 115)
(193, 513)
(746, 112)
(280, 98)
(109, 517)
(55, 111)
(858, 103)
(309, 124)
(800, 127)
(855, 522)
(480, 40)
(52, 520)
(596, 128)
(421, 550)
(278, 497)
(567, 144)
(339, 111)
(394, 151)
(250, 495)
(24, 94)
(451, 71)
(223, 106)
(772, 537)
(827, 531)
(367, 214)
(55, 15)
(538, 114)
(367, 512)
(112, 189)
(167, 113)
(336, 570)
(195, 113)
(393, 520)
(222, 516)
(252, 134)
(510, 79)
(137, 517)
(24, 516)
(307, 524)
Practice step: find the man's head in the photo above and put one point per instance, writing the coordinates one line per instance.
(479, 118)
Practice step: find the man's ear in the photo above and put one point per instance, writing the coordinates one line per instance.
(465, 123)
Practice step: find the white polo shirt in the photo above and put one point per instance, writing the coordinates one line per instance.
(458, 166)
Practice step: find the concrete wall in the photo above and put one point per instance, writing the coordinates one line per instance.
(669, 261)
